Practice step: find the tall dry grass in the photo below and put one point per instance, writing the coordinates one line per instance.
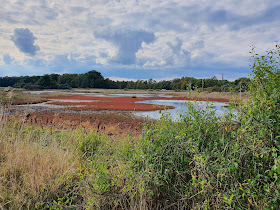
(30, 173)
(45, 168)
(34, 167)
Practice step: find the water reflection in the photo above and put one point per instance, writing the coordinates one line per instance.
(180, 107)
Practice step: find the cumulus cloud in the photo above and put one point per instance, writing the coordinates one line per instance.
(212, 33)
(183, 56)
(128, 42)
(24, 40)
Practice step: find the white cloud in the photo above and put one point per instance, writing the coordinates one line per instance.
(128, 41)
(137, 34)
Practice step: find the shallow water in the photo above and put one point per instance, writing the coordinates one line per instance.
(142, 95)
(180, 107)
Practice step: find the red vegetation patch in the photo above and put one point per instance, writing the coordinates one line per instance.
(118, 103)
(108, 123)
(107, 103)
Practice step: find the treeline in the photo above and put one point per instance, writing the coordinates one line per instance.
(94, 79)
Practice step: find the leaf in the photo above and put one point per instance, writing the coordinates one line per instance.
(230, 199)
(278, 170)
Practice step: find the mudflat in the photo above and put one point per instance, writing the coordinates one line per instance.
(106, 111)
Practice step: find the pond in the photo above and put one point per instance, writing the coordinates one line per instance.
(159, 99)
(180, 107)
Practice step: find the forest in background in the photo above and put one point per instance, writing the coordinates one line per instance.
(94, 79)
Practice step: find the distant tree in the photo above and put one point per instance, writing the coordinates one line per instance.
(242, 84)
(176, 84)
(46, 82)
(94, 79)
(75, 83)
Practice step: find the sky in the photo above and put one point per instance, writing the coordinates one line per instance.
(136, 39)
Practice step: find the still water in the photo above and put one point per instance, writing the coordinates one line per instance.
(180, 107)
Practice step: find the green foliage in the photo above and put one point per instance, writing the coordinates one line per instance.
(108, 175)
(177, 156)
(205, 161)
(264, 109)
(90, 144)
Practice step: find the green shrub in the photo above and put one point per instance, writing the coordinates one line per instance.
(89, 145)
(205, 161)
(177, 157)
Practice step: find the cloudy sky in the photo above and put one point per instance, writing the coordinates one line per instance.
(135, 39)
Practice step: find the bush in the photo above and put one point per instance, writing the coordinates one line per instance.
(178, 157)
(205, 161)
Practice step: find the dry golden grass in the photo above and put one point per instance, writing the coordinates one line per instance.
(26, 169)
(32, 171)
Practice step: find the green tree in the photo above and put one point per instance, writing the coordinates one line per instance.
(46, 82)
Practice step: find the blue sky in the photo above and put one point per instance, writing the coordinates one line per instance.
(135, 39)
